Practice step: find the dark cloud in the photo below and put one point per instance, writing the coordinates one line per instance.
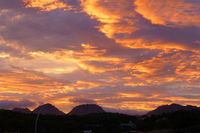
(50, 30)
(125, 111)
(82, 101)
(8, 104)
(193, 1)
(15, 4)
(183, 36)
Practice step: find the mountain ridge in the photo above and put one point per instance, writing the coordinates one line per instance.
(85, 109)
(172, 108)
(48, 109)
(22, 110)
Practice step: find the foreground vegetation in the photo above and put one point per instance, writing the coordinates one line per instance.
(178, 122)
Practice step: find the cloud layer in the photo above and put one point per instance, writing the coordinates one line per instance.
(5, 104)
(134, 54)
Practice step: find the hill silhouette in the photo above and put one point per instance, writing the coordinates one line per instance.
(172, 108)
(175, 122)
(86, 109)
(22, 110)
(172, 118)
(48, 109)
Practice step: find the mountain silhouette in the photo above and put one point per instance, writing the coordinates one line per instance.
(172, 108)
(86, 109)
(48, 109)
(22, 110)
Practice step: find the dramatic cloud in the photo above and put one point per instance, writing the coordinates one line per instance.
(47, 5)
(82, 101)
(123, 22)
(131, 112)
(123, 55)
(6, 104)
(170, 13)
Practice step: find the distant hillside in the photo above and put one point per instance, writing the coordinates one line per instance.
(14, 122)
(48, 109)
(172, 108)
(94, 108)
(86, 109)
(22, 110)
(177, 122)
(182, 119)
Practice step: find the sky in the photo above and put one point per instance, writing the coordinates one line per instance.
(132, 55)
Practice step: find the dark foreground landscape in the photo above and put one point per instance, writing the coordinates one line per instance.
(176, 121)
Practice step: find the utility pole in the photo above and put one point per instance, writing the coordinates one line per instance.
(36, 122)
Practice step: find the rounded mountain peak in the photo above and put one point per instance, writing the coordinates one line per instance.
(48, 109)
(85, 109)
(22, 110)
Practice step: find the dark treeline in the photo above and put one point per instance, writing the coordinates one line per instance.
(182, 121)
(100, 123)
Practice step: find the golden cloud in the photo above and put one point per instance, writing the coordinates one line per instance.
(169, 12)
(47, 5)
(105, 72)
(27, 82)
(142, 43)
(120, 21)
(178, 66)
(112, 14)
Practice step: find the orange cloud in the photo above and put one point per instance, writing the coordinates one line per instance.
(115, 28)
(112, 15)
(27, 82)
(158, 53)
(4, 55)
(19, 85)
(83, 85)
(63, 61)
(120, 21)
(142, 43)
(47, 5)
(169, 12)
(74, 60)
(133, 101)
(98, 10)
(165, 69)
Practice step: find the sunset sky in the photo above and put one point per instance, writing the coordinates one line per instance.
(121, 54)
